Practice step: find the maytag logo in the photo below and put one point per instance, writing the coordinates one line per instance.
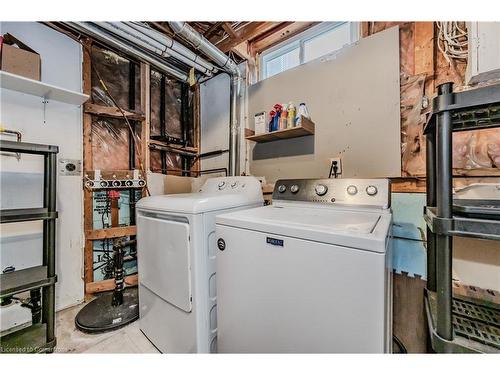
(274, 241)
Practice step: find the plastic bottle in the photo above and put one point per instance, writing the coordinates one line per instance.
(291, 116)
(302, 112)
(271, 120)
(283, 118)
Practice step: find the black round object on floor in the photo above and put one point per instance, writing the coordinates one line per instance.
(100, 315)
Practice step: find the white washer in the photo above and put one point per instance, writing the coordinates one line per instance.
(309, 274)
(176, 259)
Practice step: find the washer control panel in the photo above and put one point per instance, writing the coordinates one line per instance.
(356, 192)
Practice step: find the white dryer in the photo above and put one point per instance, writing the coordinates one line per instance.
(176, 247)
(309, 274)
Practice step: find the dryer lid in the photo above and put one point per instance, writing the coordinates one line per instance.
(216, 194)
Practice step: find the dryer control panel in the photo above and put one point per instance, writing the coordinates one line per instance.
(352, 192)
(237, 184)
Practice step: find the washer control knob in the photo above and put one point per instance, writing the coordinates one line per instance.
(234, 184)
(371, 190)
(294, 189)
(222, 185)
(352, 190)
(321, 189)
(282, 188)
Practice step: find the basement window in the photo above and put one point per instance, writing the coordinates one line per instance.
(318, 41)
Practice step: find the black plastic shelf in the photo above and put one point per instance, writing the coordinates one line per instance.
(26, 214)
(471, 109)
(462, 226)
(27, 148)
(35, 335)
(23, 280)
(476, 326)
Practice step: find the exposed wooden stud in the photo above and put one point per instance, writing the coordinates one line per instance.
(108, 233)
(113, 112)
(109, 284)
(408, 185)
(174, 147)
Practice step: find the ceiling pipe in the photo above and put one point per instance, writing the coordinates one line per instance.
(229, 66)
(104, 37)
(171, 44)
(131, 35)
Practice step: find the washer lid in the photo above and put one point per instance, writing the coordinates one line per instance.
(216, 194)
(356, 229)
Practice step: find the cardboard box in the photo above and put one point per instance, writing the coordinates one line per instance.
(18, 58)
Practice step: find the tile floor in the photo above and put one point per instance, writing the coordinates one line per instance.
(128, 339)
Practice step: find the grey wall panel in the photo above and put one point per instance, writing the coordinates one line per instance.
(214, 98)
(353, 98)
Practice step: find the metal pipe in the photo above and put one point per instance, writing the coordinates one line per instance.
(430, 141)
(230, 67)
(128, 33)
(171, 44)
(444, 250)
(93, 31)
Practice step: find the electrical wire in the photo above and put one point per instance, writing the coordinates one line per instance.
(452, 41)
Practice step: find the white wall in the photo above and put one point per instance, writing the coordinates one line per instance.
(61, 65)
(353, 98)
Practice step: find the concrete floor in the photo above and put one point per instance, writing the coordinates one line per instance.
(128, 339)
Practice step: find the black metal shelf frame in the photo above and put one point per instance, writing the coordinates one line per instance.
(467, 110)
(39, 336)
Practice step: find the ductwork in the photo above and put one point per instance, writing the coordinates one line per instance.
(172, 44)
(146, 39)
(229, 66)
(95, 32)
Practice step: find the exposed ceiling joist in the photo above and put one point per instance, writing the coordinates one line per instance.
(229, 30)
(273, 37)
(247, 32)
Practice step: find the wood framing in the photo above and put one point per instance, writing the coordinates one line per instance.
(108, 233)
(113, 112)
(109, 284)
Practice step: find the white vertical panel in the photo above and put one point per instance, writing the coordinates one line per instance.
(353, 98)
(61, 65)
(214, 100)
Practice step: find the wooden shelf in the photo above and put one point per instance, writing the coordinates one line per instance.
(307, 128)
(29, 86)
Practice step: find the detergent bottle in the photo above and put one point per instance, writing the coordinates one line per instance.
(291, 115)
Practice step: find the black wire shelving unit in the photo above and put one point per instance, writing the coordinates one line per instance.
(39, 337)
(457, 324)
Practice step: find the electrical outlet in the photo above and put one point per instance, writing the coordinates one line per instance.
(338, 163)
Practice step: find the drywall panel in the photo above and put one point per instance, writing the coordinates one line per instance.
(352, 97)
(61, 65)
(214, 99)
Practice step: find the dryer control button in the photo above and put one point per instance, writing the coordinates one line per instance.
(282, 188)
(371, 190)
(222, 185)
(321, 189)
(234, 184)
(294, 189)
(352, 190)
